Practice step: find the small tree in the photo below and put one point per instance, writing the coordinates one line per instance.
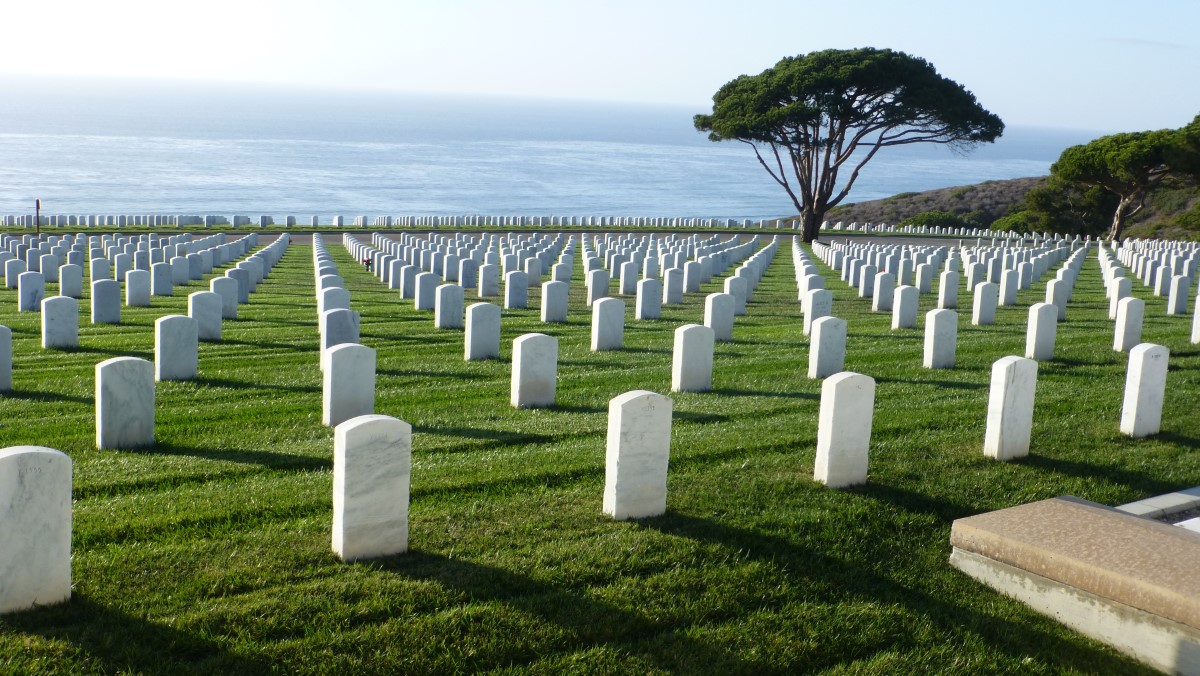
(810, 116)
(1129, 166)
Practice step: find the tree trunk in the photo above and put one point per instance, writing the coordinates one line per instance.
(1118, 222)
(810, 225)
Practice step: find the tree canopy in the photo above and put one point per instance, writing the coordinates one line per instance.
(1131, 164)
(811, 116)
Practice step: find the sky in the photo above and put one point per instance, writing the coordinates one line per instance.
(1102, 65)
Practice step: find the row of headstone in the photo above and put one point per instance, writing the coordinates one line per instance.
(347, 366)
(1156, 265)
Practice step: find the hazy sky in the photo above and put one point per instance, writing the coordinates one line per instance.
(1102, 65)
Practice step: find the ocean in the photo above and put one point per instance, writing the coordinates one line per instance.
(124, 147)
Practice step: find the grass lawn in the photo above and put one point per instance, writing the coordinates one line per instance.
(210, 552)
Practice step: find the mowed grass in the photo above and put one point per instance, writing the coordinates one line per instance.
(210, 552)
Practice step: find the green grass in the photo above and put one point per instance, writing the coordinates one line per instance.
(211, 551)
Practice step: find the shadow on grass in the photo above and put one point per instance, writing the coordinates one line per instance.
(856, 582)
(244, 385)
(415, 373)
(945, 510)
(119, 642)
(946, 384)
(1137, 481)
(267, 459)
(31, 395)
(587, 621)
(730, 392)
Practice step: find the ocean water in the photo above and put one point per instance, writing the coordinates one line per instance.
(119, 147)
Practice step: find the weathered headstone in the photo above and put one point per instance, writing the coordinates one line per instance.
(1145, 388)
(1010, 408)
(124, 402)
(534, 371)
(844, 429)
(372, 467)
(35, 527)
(638, 450)
(692, 359)
(348, 384)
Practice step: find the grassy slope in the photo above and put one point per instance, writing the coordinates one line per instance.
(210, 552)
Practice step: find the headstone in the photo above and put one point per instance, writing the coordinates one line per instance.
(482, 339)
(13, 269)
(106, 301)
(1008, 287)
(983, 313)
(638, 450)
(348, 384)
(718, 315)
(1145, 388)
(629, 278)
(554, 301)
(649, 299)
(60, 322)
(448, 307)
(35, 527)
(844, 429)
(904, 308)
(884, 293)
(941, 339)
(1128, 330)
(692, 272)
(1057, 292)
(6, 359)
(160, 279)
(819, 303)
(672, 287)
(425, 295)
(1121, 288)
(31, 291)
(489, 280)
(205, 308)
(242, 276)
(175, 348)
(692, 359)
(137, 288)
(338, 327)
(179, 270)
(227, 289)
(1177, 300)
(948, 290)
(333, 298)
(1010, 408)
(70, 280)
(827, 349)
(608, 324)
(597, 285)
(124, 401)
(1040, 334)
(516, 290)
(534, 370)
(372, 466)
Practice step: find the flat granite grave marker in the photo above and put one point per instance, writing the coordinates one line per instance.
(1010, 408)
(372, 469)
(1145, 388)
(637, 453)
(124, 402)
(35, 527)
(692, 359)
(844, 429)
(534, 371)
(348, 384)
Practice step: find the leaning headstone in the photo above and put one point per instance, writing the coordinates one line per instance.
(124, 402)
(372, 466)
(482, 339)
(6, 359)
(987, 295)
(31, 291)
(35, 527)
(175, 348)
(60, 322)
(638, 450)
(692, 359)
(1145, 388)
(106, 301)
(554, 301)
(1040, 334)
(941, 339)
(844, 429)
(718, 315)
(448, 307)
(205, 308)
(534, 370)
(649, 299)
(137, 288)
(1128, 330)
(348, 385)
(1010, 408)
(827, 349)
(608, 324)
